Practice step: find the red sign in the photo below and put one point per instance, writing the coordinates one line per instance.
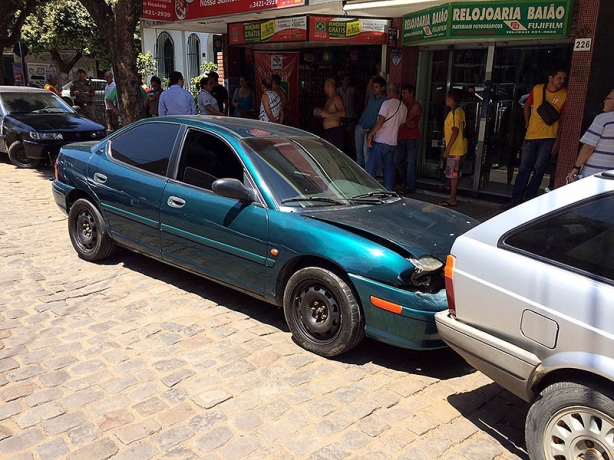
(348, 29)
(269, 31)
(159, 10)
(197, 9)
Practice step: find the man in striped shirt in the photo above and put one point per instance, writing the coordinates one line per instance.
(597, 152)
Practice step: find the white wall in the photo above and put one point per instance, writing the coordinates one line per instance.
(149, 35)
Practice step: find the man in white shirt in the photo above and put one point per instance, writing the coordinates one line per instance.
(382, 139)
(110, 116)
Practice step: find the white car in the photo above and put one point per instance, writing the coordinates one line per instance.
(531, 305)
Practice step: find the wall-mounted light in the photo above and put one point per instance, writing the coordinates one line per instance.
(361, 5)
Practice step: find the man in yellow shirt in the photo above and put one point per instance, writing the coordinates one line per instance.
(541, 140)
(456, 144)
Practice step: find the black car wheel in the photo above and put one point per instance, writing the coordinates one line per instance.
(17, 155)
(88, 231)
(570, 419)
(322, 312)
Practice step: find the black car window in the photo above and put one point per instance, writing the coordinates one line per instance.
(148, 146)
(206, 158)
(580, 237)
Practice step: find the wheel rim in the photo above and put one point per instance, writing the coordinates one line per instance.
(86, 230)
(574, 430)
(22, 158)
(318, 313)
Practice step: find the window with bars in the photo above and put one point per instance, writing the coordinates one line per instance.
(193, 68)
(165, 55)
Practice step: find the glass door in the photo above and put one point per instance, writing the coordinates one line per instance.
(463, 69)
(515, 71)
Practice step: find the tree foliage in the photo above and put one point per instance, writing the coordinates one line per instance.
(61, 26)
(13, 14)
(146, 64)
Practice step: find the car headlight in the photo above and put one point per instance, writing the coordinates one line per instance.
(46, 136)
(98, 134)
(427, 274)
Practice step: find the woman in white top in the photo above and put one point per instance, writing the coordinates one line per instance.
(207, 104)
(270, 104)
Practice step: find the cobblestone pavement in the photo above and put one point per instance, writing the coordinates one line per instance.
(131, 359)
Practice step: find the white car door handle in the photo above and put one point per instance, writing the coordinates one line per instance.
(175, 202)
(100, 178)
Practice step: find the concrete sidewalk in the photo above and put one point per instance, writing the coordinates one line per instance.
(477, 208)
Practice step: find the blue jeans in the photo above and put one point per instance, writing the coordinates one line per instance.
(382, 153)
(407, 148)
(362, 151)
(535, 156)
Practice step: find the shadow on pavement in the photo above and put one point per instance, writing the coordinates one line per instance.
(440, 364)
(496, 412)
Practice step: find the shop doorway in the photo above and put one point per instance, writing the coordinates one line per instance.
(495, 83)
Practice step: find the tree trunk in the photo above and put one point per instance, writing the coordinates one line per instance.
(64, 66)
(118, 27)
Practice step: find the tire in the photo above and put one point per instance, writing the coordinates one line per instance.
(567, 419)
(17, 155)
(88, 231)
(322, 312)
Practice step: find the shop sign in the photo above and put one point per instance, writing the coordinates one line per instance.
(347, 29)
(511, 19)
(158, 10)
(426, 25)
(268, 31)
(173, 10)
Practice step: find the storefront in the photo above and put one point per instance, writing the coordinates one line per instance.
(495, 53)
(305, 51)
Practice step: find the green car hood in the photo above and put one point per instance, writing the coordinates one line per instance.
(418, 228)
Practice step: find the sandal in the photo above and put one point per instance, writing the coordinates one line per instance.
(447, 204)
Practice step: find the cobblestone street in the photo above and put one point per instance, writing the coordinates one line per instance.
(132, 359)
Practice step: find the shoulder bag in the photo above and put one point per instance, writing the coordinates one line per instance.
(547, 111)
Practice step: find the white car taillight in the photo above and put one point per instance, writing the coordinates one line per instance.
(449, 277)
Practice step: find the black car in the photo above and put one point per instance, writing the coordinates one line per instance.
(35, 123)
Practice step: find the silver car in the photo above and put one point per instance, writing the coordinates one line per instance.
(531, 298)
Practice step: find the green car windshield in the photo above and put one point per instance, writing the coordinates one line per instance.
(307, 172)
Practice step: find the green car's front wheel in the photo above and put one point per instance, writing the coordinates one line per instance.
(322, 312)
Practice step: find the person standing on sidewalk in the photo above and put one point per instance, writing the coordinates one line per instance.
(382, 139)
(176, 100)
(408, 144)
(110, 115)
(332, 114)
(456, 144)
(373, 103)
(597, 152)
(542, 140)
(83, 91)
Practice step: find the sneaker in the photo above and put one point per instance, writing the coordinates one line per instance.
(506, 206)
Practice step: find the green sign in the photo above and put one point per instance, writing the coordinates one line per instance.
(512, 19)
(505, 19)
(426, 25)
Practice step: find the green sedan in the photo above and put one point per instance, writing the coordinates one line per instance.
(272, 211)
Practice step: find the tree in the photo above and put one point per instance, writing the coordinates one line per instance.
(61, 26)
(117, 21)
(146, 64)
(13, 14)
